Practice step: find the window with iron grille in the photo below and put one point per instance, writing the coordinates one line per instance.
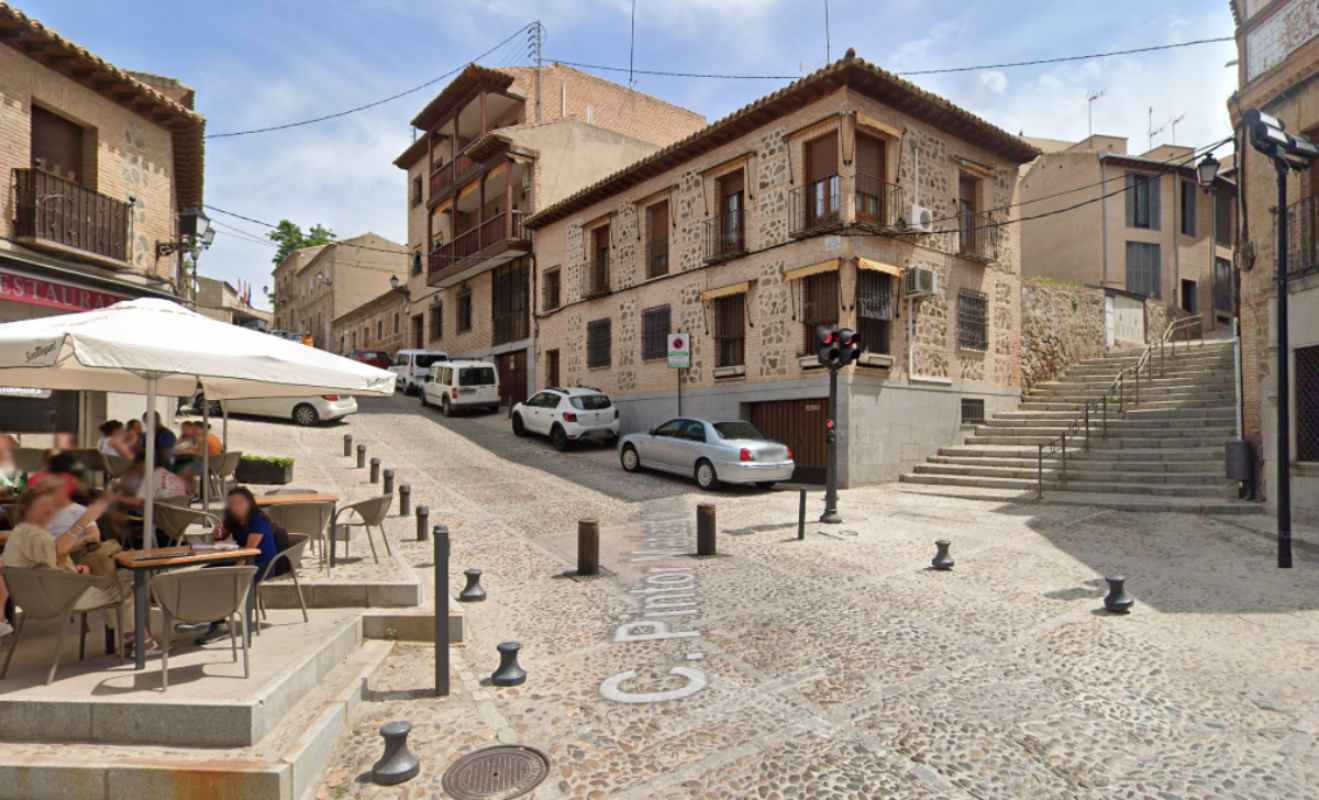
(972, 320)
(1307, 403)
(973, 411)
(874, 310)
(819, 305)
(551, 290)
(509, 285)
(730, 330)
(465, 310)
(655, 333)
(1144, 269)
(416, 263)
(437, 321)
(599, 343)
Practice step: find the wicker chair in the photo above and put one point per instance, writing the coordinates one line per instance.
(51, 594)
(223, 468)
(370, 514)
(293, 555)
(309, 518)
(195, 596)
(115, 466)
(174, 519)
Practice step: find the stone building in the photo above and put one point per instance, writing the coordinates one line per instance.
(314, 285)
(1155, 236)
(812, 206)
(1278, 73)
(492, 150)
(98, 163)
(377, 324)
(217, 299)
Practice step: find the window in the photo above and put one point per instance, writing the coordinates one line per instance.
(354, 339)
(1189, 303)
(822, 183)
(590, 402)
(418, 330)
(693, 430)
(599, 343)
(657, 239)
(476, 376)
(819, 306)
(552, 367)
(673, 427)
(972, 320)
(551, 290)
(1144, 273)
(599, 260)
(416, 263)
(437, 321)
(874, 310)
(1188, 208)
(1142, 194)
(380, 329)
(874, 204)
(729, 330)
(58, 147)
(655, 333)
(464, 310)
(1223, 285)
(731, 228)
(343, 344)
(1223, 218)
(509, 286)
(1307, 405)
(973, 411)
(416, 191)
(396, 329)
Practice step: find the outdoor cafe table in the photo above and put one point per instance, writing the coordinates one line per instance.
(144, 562)
(267, 500)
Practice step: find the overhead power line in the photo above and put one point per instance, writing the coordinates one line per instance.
(263, 223)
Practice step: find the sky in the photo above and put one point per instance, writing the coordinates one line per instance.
(256, 64)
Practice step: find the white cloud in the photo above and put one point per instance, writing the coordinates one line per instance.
(995, 81)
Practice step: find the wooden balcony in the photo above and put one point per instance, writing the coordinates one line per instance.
(494, 241)
(59, 215)
(454, 173)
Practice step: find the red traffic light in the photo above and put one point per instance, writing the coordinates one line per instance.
(825, 336)
(829, 424)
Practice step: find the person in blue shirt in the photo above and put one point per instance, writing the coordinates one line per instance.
(246, 525)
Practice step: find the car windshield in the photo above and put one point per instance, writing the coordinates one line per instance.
(374, 354)
(427, 360)
(738, 430)
(590, 402)
(476, 376)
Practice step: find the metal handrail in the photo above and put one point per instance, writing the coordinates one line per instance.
(1119, 386)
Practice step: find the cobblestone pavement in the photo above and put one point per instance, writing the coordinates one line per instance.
(839, 666)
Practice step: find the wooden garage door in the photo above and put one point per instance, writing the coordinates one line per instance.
(512, 377)
(800, 425)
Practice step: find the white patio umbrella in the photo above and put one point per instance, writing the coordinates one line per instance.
(156, 347)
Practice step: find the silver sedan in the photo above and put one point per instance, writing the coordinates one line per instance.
(732, 452)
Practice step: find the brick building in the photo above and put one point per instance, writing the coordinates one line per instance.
(377, 324)
(492, 150)
(811, 206)
(1278, 73)
(314, 285)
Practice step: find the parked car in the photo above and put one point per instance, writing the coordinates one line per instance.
(462, 385)
(712, 452)
(567, 416)
(413, 366)
(302, 410)
(376, 358)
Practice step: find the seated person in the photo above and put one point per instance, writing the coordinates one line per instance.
(114, 440)
(130, 488)
(188, 452)
(133, 434)
(95, 554)
(246, 525)
(64, 465)
(165, 441)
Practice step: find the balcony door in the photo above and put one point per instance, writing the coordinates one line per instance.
(871, 173)
(732, 202)
(822, 180)
(57, 146)
(966, 212)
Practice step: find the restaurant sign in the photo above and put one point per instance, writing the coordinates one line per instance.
(62, 296)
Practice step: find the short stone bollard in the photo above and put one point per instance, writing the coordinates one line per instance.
(361, 456)
(404, 499)
(347, 445)
(941, 560)
(1117, 601)
(705, 529)
(423, 516)
(588, 547)
(509, 672)
(397, 765)
(472, 592)
(375, 470)
(389, 482)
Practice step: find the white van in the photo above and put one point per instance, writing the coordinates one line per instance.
(459, 385)
(413, 366)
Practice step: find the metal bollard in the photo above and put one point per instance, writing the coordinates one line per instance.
(705, 529)
(389, 482)
(361, 456)
(375, 470)
(1117, 601)
(472, 592)
(441, 559)
(398, 764)
(347, 445)
(423, 515)
(588, 547)
(941, 560)
(404, 499)
(509, 672)
(801, 516)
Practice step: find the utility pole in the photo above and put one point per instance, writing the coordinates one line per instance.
(537, 36)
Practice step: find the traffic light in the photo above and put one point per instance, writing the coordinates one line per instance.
(849, 342)
(837, 348)
(826, 346)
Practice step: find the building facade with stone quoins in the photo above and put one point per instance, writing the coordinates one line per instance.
(1278, 73)
(378, 324)
(802, 209)
(492, 147)
(97, 163)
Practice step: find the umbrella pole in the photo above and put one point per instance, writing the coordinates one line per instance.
(206, 453)
(224, 431)
(149, 475)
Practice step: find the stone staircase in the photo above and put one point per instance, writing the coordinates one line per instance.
(1167, 446)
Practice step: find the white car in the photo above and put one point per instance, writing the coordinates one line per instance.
(567, 416)
(413, 367)
(462, 385)
(302, 410)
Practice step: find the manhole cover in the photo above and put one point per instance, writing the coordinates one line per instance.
(496, 773)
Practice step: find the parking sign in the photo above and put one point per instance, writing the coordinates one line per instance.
(680, 351)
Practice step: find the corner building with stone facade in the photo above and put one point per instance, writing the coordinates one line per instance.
(808, 207)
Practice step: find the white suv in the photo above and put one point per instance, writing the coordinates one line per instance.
(567, 416)
(461, 385)
(413, 366)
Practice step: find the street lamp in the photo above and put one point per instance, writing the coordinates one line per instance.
(1206, 171)
(393, 281)
(1269, 136)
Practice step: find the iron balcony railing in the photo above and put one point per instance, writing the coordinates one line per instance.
(1303, 236)
(878, 204)
(597, 276)
(725, 235)
(978, 236)
(817, 205)
(657, 256)
(50, 208)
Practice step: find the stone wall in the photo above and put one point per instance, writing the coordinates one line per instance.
(1061, 324)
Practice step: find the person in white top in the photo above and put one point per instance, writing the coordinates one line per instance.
(114, 440)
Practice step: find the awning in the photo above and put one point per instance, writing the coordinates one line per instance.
(814, 269)
(725, 291)
(879, 266)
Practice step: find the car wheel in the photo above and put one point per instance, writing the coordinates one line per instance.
(304, 414)
(518, 428)
(422, 396)
(559, 438)
(766, 485)
(444, 407)
(705, 475)
(629, 458)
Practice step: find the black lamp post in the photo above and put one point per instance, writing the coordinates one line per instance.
(195, 235)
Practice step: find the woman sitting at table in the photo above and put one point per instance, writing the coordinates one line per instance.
(246, 525)
(126, 519)
(114, 440)
(133, 434)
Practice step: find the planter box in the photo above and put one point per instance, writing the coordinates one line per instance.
(263, 472)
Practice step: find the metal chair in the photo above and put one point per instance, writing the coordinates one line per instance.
(310, 518)
(29, 459)
(293, 555)
(371, 514)
(223, 468)
(46, 594)
(195, 596)
(174, 519)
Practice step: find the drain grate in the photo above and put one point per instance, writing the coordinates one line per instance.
(496, 773)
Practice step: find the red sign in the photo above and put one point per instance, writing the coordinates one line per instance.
(36, 292)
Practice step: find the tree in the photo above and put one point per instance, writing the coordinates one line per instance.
(290, 237)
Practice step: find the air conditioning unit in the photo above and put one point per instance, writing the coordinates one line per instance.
(919, 219)
(920, 282)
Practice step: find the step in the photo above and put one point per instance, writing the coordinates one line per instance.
(1120, 455)
(1110, 501)
(1130, 393)
(1113, 422)
(1116, 430)
(1101, 487)
(1084, 462)
(1220, 413)
(1146, 404)
(1168, 369)
(1110, 443)
(1076, 472)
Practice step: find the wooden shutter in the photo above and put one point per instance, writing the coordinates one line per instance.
(870, 157)
(822, 157)
(57, 145)
(731, 184)
(1154, 182)
(1130, 194)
